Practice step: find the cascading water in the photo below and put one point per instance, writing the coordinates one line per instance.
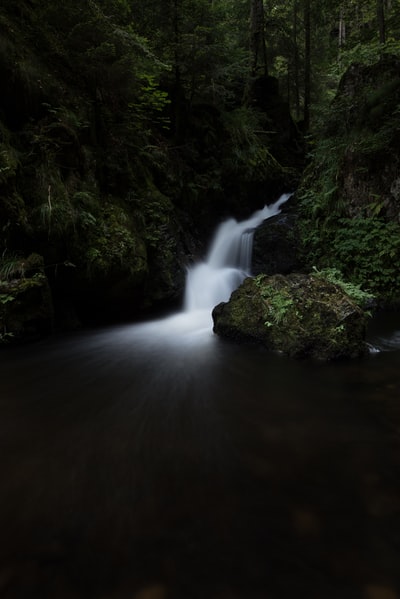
(228, 261)
(208, 283)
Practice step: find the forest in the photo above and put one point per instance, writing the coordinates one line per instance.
(129, 129)
(199, 299)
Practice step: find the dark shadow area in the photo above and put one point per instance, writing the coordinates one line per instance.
(136, 467)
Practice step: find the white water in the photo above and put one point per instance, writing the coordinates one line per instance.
(208, 283)
(228, 262)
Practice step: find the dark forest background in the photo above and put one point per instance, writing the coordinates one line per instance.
(129, 129)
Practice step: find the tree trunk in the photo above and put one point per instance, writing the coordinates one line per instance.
(178, 100)
(380, 14)
(307, 63)
(342, 29)
(296, 60)
(257, 37)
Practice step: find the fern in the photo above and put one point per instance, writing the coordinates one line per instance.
(358, 295)
(11, 266)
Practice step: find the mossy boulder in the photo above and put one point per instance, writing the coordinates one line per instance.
(302, 316)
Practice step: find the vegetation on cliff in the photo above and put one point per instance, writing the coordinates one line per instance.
(349, 196)
(126, 131)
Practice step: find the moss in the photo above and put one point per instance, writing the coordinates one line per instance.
(298, 315)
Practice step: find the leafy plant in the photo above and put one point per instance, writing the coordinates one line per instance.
(113, 243)
(248, 150)
(367, 53)
(11, 265)
(277, 302)
(358, 295)
(364, 250)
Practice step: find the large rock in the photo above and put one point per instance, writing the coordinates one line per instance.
(368, 181)
(298, 315)
(276, 245)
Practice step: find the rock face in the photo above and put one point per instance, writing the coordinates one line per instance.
(276, 246)
(367, 109)
(302, 316)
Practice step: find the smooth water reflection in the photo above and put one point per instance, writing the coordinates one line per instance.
(156, 461)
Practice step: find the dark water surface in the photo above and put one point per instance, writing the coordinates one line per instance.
(152, 462)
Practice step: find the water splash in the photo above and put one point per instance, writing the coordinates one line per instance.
(208, 283)
(228, 261)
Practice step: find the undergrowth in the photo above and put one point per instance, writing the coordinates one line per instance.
(333, 275)
(365, 250)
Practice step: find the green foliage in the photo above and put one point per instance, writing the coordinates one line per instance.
(62, 215)
(14, 266)
(150, 101)
(365, 249)
(277, 301)
(365, 53)
(319, 190)
(11, 266)
(113, 244)
(342, 224)
(56, 218)
(358, 295)
(369, 249)
(248, 152)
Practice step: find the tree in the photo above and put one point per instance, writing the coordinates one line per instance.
(380, 15)
(257, 36)
(296, 61)
(307, 63)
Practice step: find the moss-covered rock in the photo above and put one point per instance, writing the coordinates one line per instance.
(299, 315)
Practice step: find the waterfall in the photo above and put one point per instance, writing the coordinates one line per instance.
(208, 283)
(228, 261)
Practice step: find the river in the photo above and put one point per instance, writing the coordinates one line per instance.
(157, 461)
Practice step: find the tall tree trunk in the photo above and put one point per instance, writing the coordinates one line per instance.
(178, 100)
(257, 37)
(307, 63)
(296, 60)
(342, 32)
(176, 43)
(342, 29)
(380, 14)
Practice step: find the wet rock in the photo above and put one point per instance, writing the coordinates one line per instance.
(298, 315)
(276, 246)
